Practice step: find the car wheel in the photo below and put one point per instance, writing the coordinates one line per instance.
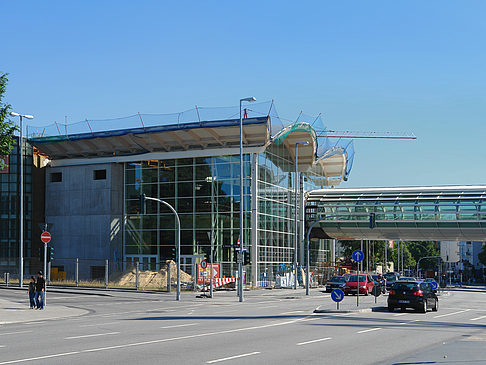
(436, 306)
(424, 307)
(391, 309)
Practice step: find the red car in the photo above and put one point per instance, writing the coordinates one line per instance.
(366, 284)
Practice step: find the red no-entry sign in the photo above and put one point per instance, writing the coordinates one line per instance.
(45, 237)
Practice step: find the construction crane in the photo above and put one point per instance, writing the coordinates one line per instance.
(359, 134)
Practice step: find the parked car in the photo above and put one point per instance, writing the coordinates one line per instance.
(412, 294)
(366, 284)
(380, 282)
(390, 278)
(407, 278)
(336, 282)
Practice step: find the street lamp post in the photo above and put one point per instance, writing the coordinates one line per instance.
(21, 241)
(296, 199)
(240, 252)
(178, 243)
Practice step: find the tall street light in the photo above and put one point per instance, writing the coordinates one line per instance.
(21, 241)
(240, 252)
(297, 181)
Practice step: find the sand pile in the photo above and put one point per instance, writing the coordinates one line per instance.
(156, 279)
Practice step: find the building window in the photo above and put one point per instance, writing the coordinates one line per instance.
(99, 174)
(56, 177)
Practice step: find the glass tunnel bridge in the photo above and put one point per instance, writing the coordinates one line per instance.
(453, 213)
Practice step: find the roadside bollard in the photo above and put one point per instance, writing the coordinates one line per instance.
(106, 274)
(7, 278)
(168, 277)
(77, 271)
(137, 268)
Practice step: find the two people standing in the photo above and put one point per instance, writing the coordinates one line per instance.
(37, 291)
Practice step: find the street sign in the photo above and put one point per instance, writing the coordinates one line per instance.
(46, 237)
(337, 295)
(358, 255)
(433, 285)
(204, 264)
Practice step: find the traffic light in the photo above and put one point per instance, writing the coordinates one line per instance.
(372, 220)
(246, 258)
(50, 253)
(143, 204)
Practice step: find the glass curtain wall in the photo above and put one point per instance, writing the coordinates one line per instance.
(10, 210)
(205, 191)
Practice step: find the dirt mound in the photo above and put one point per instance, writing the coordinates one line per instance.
(147, 278)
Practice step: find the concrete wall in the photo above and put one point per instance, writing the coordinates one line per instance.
(86, 216)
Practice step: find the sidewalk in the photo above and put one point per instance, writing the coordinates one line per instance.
(19, 312)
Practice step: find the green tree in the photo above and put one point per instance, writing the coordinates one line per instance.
(7, 128)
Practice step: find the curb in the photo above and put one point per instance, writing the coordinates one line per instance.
(53, 290)
(363, 310)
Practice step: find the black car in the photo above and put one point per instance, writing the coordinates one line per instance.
(390, 278)
(412, 294)
(335, 282)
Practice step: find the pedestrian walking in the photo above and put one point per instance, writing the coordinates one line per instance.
(40, 291)
(31, 292)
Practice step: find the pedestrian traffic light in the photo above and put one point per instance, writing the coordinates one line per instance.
(143, 204)
(372, 220)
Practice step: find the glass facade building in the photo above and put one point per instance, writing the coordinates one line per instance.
(10, 210)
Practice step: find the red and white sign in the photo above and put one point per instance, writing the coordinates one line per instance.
(390, 244)
(204, 264)
(203, 273)
(46, 237)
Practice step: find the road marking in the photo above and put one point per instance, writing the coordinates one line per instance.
(27, 323)
(268, 306)
(14, 333)
(180, 325)
(96, 325)
(402, 323)
(477, 318)
(451, 314)
(312, 341)
(232, 357)
(93, 335)
(151, 342)
(400, 314)
(369, 330)
(40, 357)
(292, 312)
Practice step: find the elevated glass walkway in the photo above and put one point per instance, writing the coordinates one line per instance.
(407, 213)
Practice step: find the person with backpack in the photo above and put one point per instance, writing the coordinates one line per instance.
(31, 292)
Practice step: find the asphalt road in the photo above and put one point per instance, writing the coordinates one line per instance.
(270, 327)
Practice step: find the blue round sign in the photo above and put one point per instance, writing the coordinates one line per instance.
(358, 255)
(337, 295)
(433, 285)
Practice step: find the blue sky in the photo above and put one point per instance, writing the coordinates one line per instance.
(410, 66)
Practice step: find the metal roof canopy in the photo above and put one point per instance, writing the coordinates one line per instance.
(169, 138)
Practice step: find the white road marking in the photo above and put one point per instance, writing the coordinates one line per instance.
(312, 341)
(27, 323)
(93, 335)
(477, 318)
(268, 306)
(180, 325)
(14, 333)
(40, 357)
(159, 341)
(232, 357)
(399, 314)
(369, 330)
(451, 314)
(292, 312)
(98, 324)
(2, 346)
(402, 323)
